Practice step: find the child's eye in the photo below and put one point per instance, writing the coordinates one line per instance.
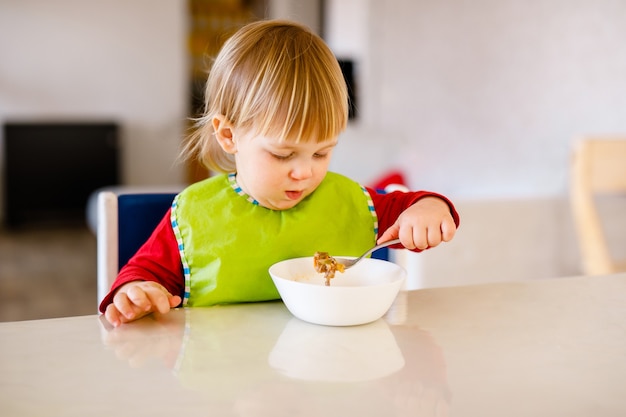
(320, 155)
(282, 157)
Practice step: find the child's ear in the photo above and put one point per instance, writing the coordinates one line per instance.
(224, 134)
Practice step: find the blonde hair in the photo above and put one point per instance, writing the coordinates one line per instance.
(274, 78)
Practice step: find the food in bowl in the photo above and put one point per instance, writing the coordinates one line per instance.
(362, 294)
(326, 264)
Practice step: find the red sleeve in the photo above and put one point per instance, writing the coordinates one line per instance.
(157, 260)
(389, 206)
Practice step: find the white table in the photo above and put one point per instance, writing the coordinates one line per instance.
(534, 348)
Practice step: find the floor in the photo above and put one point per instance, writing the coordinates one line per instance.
(47, 273)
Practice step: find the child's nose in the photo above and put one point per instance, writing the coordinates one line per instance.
(302, 171)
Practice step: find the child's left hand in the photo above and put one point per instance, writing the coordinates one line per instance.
(424, 225)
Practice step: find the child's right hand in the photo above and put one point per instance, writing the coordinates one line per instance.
(137, 299)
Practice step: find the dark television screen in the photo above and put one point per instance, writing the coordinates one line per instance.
(50, 169)
(347, 68)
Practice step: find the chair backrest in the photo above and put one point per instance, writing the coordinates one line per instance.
(124, 223)
(598, 167)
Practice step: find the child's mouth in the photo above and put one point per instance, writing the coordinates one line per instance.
(293, 195)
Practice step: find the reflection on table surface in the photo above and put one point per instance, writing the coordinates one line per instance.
(553, 348)
(260, 360)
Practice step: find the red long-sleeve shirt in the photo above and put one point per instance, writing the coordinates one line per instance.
(159, 259)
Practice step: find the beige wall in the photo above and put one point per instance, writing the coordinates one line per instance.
(480, 99)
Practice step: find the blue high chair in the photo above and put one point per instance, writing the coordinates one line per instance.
(124, 223)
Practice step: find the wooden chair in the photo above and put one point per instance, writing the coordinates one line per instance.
(598, 168)
(124, 223)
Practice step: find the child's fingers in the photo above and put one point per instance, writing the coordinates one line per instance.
(175, 300)
(159, 299)
(113, 315)
(138, 298)
(434, 236)
(125, 305)
(440, 231)
(389, 234)
(448, 229)
(420, 238)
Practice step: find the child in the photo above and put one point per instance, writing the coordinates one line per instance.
(276, 102)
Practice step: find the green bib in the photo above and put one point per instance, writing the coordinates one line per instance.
(227, 242)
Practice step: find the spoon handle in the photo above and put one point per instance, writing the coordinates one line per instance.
(384, 244)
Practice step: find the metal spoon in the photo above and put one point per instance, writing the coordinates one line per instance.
(347, 263)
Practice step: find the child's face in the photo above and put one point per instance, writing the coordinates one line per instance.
(280, 174)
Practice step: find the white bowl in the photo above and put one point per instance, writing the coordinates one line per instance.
(359, 295)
